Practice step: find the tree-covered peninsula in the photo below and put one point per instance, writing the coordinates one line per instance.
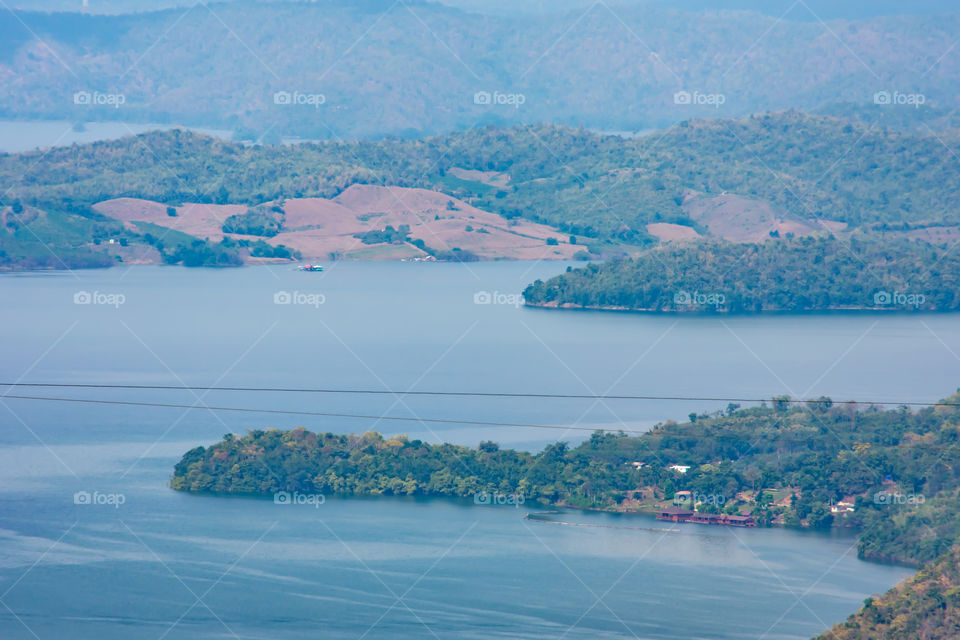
(822, 273)
(894, 474)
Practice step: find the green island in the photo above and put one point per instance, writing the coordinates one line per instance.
(894, 474)
(817, 273)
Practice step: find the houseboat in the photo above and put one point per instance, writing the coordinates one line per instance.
(676, 514)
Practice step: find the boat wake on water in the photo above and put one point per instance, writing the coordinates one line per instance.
(540, 516)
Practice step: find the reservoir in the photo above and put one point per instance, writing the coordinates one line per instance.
(143, 561)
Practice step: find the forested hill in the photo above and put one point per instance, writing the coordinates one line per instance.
(893, 474)
(781, 174)
(414, 68)
(926, 607)
(781, 463)
(798, 275)
(604, 186)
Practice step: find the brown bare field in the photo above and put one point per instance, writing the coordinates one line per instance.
(318, 227)
(741, 219)
(669, 232)
(200, 220)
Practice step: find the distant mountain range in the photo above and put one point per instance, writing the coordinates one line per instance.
(337, 69)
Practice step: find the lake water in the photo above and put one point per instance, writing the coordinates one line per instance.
(168, 565)
(26, 135)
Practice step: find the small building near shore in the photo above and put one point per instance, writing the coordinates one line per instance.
(842, 507)
(676, 514)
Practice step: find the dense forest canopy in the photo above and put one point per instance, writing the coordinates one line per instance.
(799, 275)
(781, 462)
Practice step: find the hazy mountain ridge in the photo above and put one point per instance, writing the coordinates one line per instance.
(417, 68)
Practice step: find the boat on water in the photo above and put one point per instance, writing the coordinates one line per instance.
(309, 267)
(676, 514)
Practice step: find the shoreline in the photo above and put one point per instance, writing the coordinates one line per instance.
(707, 312)
(556, 509)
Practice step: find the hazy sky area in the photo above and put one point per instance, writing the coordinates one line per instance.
(789, 9)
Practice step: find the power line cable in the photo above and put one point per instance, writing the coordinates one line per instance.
(325, 414)
(475, 394)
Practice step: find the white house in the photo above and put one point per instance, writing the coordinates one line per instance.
(842, 507)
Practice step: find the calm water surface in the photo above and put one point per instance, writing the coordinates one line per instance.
(167, 565)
